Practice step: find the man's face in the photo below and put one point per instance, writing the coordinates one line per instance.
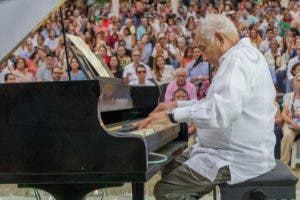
(181, 77)
(49, 61)
(29, 45)
(270, 34)
(56, 74)
(210, 50)
(136, 56)
(141, 73)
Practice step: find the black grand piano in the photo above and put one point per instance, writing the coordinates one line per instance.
(55, 136)
(72, 137)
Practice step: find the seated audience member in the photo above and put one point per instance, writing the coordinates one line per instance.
(115, 67)
(129, 73)
(197, 70)
(32, 62)
(3, 71)
(21, 73)
(44, 73)
(291, 117)
(123, 59)
(76, 73)
(57, 74)
(162, 73)
(187, 57)
(158, 51)
(182, 95)
(9, 78)
(290, 83)
(180, 82)
(141, 74)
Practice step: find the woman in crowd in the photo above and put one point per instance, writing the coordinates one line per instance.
(291, 117)
(162, 73)
(188, 56)
(32, 62)
(52, 42)
(158, 50)
(76, 73)
(129, 38)
(171, 48)
(121, 55)
(115, 67)
(21, 73)
(290, 83)
(102, 52)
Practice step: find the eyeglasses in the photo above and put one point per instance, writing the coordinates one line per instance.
(135, 55)
(141, 72)
(57, 73)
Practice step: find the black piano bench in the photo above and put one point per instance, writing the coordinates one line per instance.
(280, 183)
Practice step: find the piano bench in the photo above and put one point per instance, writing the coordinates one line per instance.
(280, 183)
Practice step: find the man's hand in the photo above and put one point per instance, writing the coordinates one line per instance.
(163, 107)
(155, 118)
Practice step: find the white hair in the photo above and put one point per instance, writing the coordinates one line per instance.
(216, 23)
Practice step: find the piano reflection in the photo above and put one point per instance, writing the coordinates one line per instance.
(72, 137)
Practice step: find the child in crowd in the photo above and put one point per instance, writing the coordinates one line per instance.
(182, 95)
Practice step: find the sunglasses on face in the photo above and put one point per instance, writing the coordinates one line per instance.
(140, 72)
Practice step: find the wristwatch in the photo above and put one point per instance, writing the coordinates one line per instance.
(170, 113)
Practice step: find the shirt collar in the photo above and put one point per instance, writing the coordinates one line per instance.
(242, 42)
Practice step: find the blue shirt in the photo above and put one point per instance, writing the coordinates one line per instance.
(200, 70)
(78, 76)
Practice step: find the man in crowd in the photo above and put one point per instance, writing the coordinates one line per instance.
(129, 73)
(44, 73)
(180, 82)
(233, 144)
(57, 74)
(141, 74)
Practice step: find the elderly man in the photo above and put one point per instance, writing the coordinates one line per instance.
(235, 138)
(180, 82)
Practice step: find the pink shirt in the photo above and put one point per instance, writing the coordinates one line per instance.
(172, 87)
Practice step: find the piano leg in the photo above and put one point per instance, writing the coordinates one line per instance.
(138, 191)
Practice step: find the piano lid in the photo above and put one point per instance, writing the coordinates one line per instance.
(20, 18)
(96, 63)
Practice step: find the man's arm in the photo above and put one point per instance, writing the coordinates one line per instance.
(220, 109)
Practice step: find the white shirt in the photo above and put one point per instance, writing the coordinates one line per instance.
(147, 83)
(235, 122)
(130, 68)
(292, 62)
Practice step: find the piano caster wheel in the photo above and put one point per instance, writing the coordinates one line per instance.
(258, 195)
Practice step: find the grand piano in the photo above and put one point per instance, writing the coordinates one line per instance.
(72, 137)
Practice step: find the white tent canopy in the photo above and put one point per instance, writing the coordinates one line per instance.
(18, 18)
